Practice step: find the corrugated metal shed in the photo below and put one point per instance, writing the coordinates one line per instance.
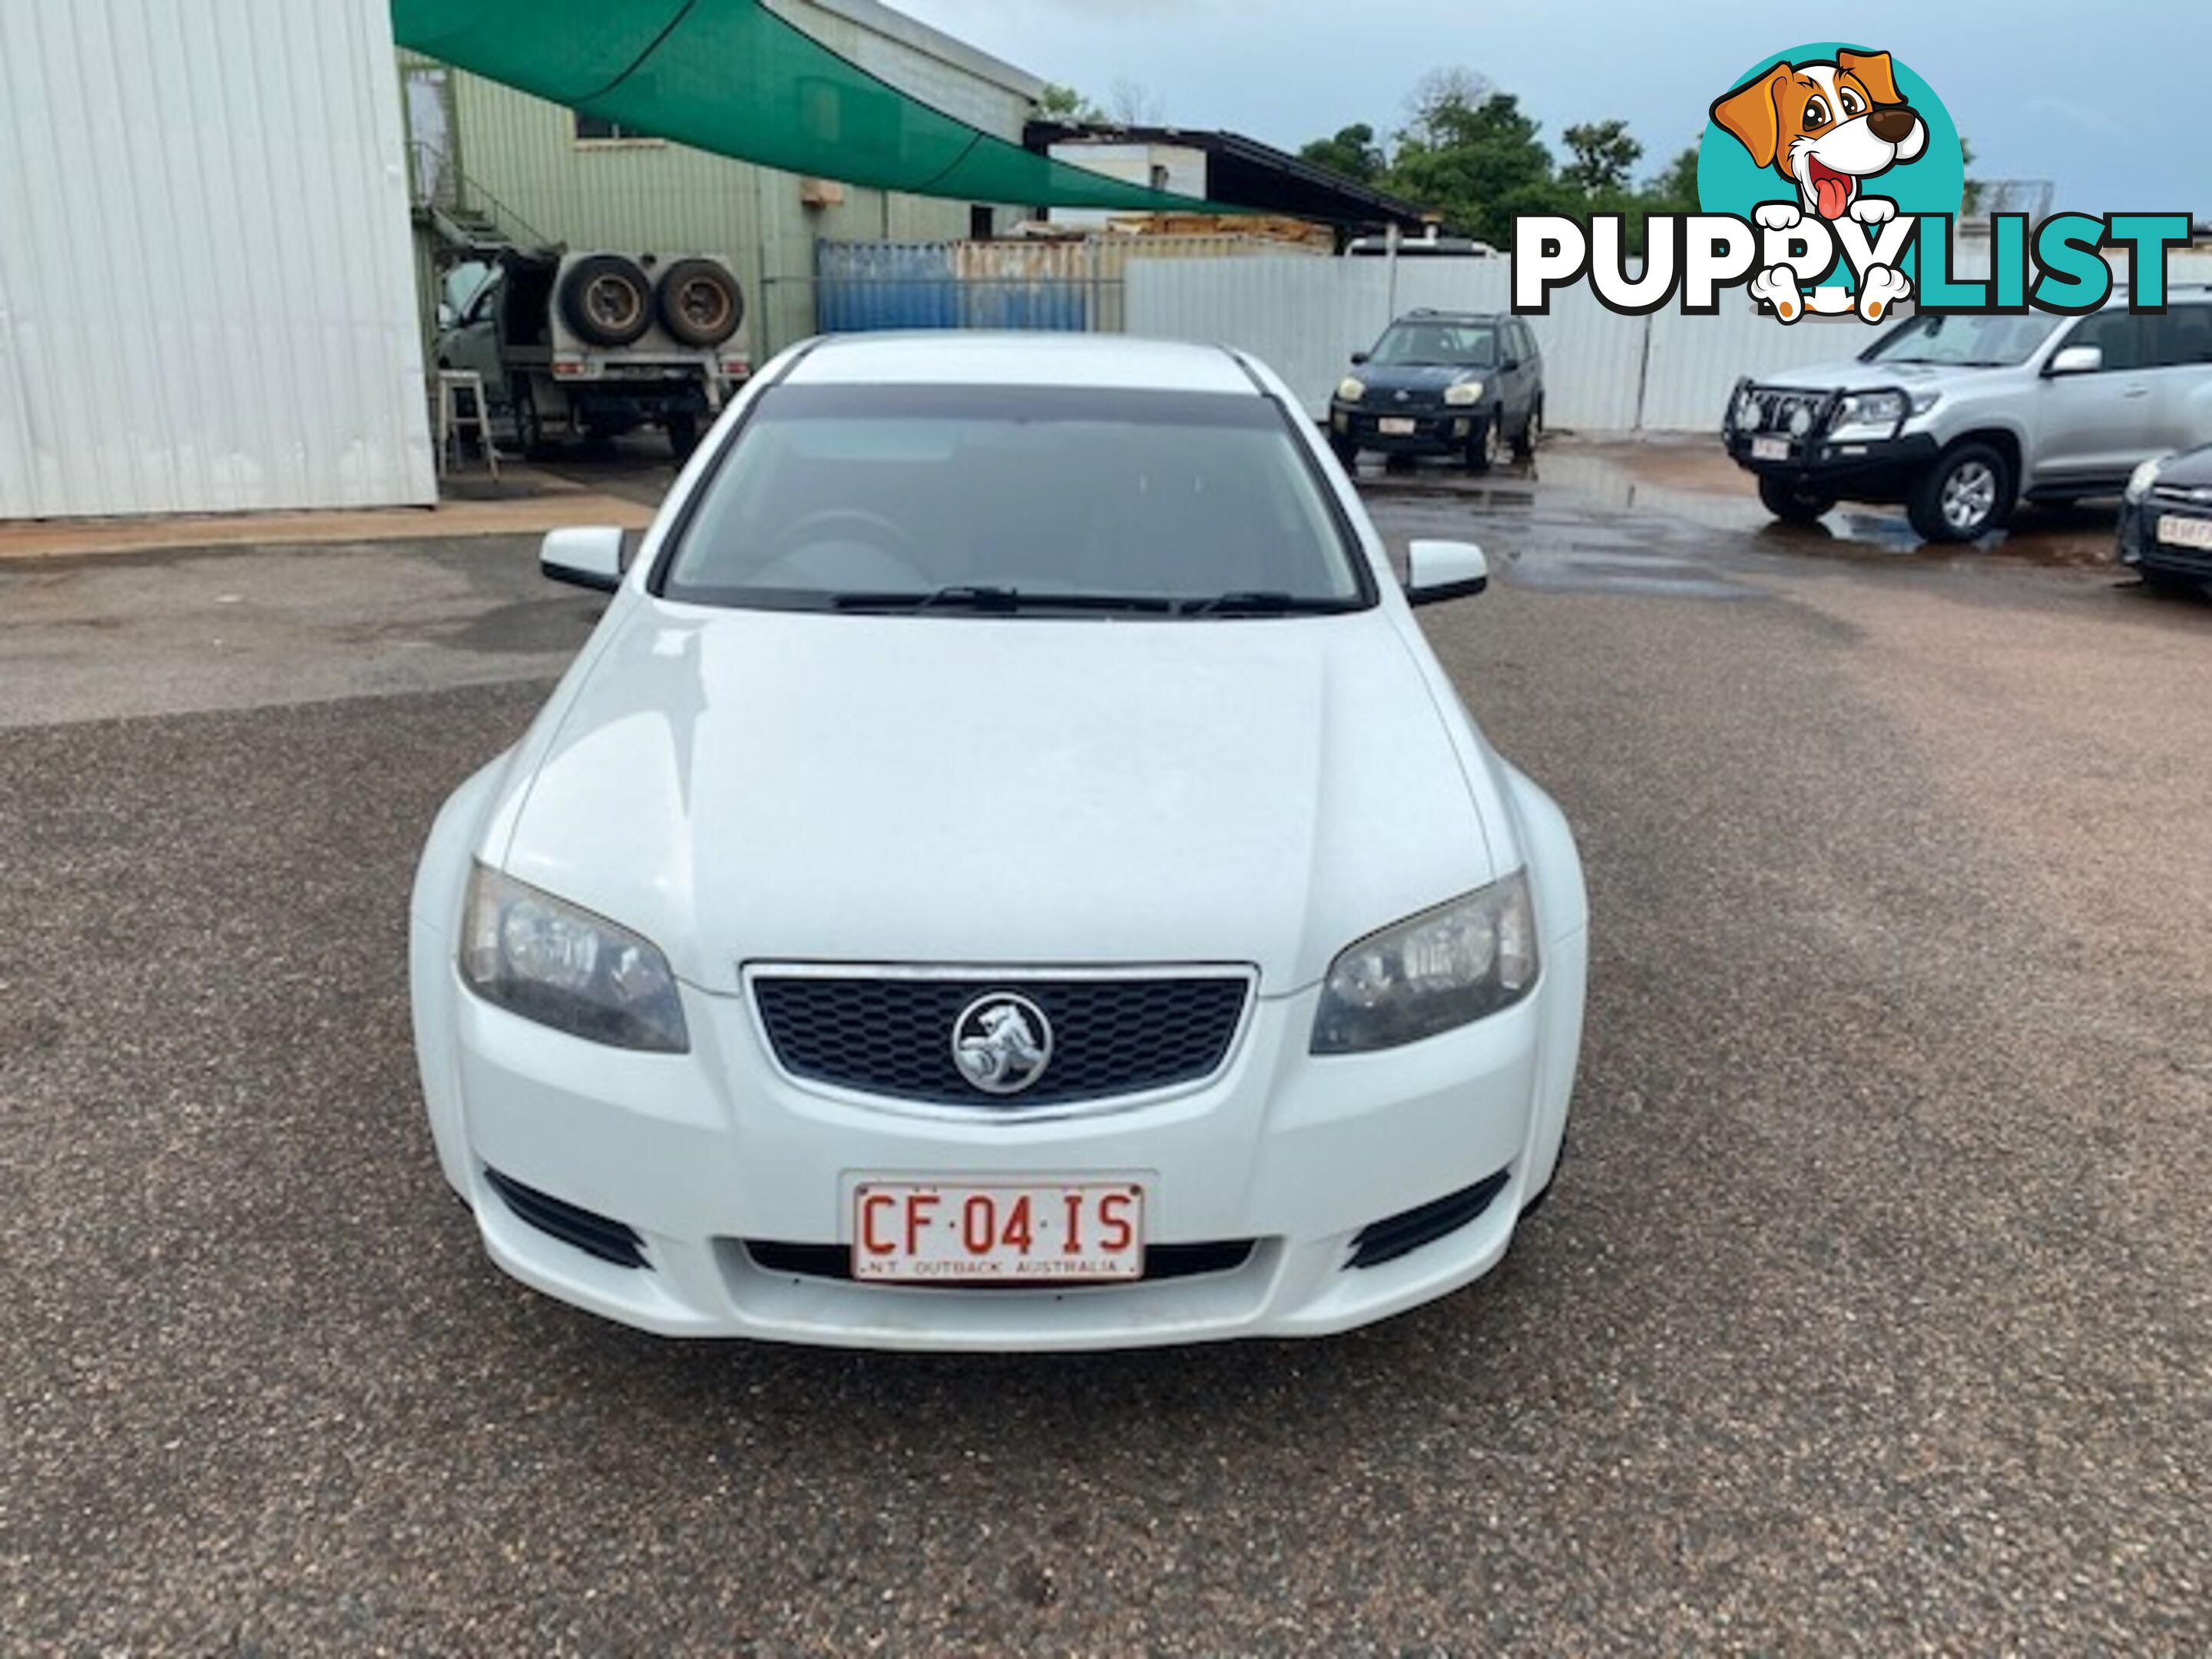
(207, 300)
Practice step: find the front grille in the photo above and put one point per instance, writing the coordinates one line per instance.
(892, 1036)
(594, 1235)
(1776, 410)
(1403, 1234)
(1161, 1262)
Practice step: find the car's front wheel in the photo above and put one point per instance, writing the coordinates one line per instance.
(1532, 432)
(1791, 503)
(1964, 496)
(1346, 452)
(1486, 447)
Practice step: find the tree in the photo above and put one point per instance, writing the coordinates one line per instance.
(1471, 155)
(1352, 154)
(1133, 104)
(1675, 189)
(1066, 105)
(1604, 153)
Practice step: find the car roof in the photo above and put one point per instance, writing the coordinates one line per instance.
(956, 357)
(1488, 317)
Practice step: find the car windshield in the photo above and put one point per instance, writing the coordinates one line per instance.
(995, 500)
(1455, 345)
(1963, 342)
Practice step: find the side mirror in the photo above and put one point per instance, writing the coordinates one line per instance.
(588, 557)
(1508, 366)
(447, 316)
(2076, 360)
(1357, 358)
(1437, 571)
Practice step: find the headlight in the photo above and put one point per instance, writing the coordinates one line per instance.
(547, 961)
(1349, 389)
(1431, 973)
(2140, 480)
(1465, 394)
(1865, 415)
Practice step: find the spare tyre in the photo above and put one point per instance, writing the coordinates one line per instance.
(606, 300)
(701, 303)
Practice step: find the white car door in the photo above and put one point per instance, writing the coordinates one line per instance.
(2096, 426)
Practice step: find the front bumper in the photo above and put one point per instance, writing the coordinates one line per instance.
(705, 1157)
(1880, 470)
(2139, 548)
(1436, 431)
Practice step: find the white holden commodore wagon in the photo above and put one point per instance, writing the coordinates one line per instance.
(1005, 872)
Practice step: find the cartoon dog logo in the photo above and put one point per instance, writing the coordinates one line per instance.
(1827, 126)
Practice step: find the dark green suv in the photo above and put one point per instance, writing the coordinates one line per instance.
(1458, 383)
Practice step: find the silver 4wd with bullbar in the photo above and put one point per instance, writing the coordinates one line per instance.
(1959, 416)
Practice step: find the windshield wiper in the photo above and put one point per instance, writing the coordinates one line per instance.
(1268, 603)
(998, 601)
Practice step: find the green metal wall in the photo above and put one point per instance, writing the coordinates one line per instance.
(650, 197)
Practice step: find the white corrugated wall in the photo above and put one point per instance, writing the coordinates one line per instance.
(207, 296)
(1602, 373)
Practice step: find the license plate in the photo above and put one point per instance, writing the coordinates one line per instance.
(2186, 532)
(1021, 1231)
(1399, 429)
(1770, 449)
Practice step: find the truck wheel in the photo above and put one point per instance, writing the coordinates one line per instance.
(606, 300)
(700, 304)
(1966, 493)
(1786, 502)
(683, 435)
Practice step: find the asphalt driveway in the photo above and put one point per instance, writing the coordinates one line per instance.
(1872, 1312)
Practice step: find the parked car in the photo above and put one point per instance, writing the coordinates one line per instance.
(596, 344)
(1443, 383)
(1959, 416)
(2165, 520)
(1007, 871)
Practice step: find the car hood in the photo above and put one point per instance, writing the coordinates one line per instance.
(1852, 375)
(2190, 470)
(754, 786)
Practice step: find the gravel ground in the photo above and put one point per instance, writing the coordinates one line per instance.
(1872, 1312)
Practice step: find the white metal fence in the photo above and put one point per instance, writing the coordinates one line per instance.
(206, 298)
(1602, 373)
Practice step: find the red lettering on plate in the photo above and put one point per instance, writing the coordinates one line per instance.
(977, 1218)
(870, 1204)
(1073, 1245)
(1016, 1230)
(920, 1207)
(1113, 1217)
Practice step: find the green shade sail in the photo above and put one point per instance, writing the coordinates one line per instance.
(732, 77)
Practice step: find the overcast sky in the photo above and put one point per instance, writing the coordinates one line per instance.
(2107, 101)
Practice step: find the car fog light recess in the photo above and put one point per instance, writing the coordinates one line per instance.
(550, 962)
(1431, 973)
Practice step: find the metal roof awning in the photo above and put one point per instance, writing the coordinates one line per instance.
(733, 77)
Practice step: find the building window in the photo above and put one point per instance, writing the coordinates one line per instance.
(981, 222)
(596, 129)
